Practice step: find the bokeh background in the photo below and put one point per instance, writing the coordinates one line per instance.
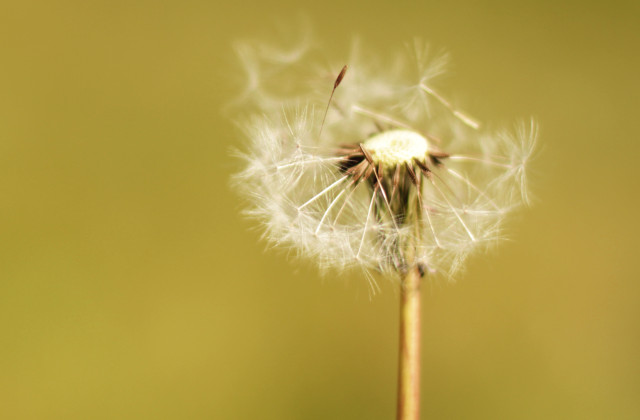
(131, 288)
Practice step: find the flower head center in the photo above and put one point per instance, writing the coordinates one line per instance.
(396, 147)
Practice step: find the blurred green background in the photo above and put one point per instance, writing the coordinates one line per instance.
(130, 287)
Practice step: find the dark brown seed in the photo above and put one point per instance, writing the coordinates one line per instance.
(335, 85)
(412, 173)
(439, 155)
(423, 166)
(436, 157)
(366, 153)
(369, 172)
(340, 77)
(358, 170)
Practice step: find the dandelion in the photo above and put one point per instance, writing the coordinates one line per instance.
(389, 176)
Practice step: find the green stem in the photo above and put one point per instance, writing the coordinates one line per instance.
(409, 355)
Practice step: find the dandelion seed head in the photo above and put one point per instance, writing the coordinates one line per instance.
(398, 176)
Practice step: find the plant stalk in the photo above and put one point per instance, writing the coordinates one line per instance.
(409, 355)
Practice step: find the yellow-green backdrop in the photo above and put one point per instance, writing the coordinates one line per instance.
(130, 287)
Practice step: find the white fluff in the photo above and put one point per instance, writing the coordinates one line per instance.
(298, 191)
